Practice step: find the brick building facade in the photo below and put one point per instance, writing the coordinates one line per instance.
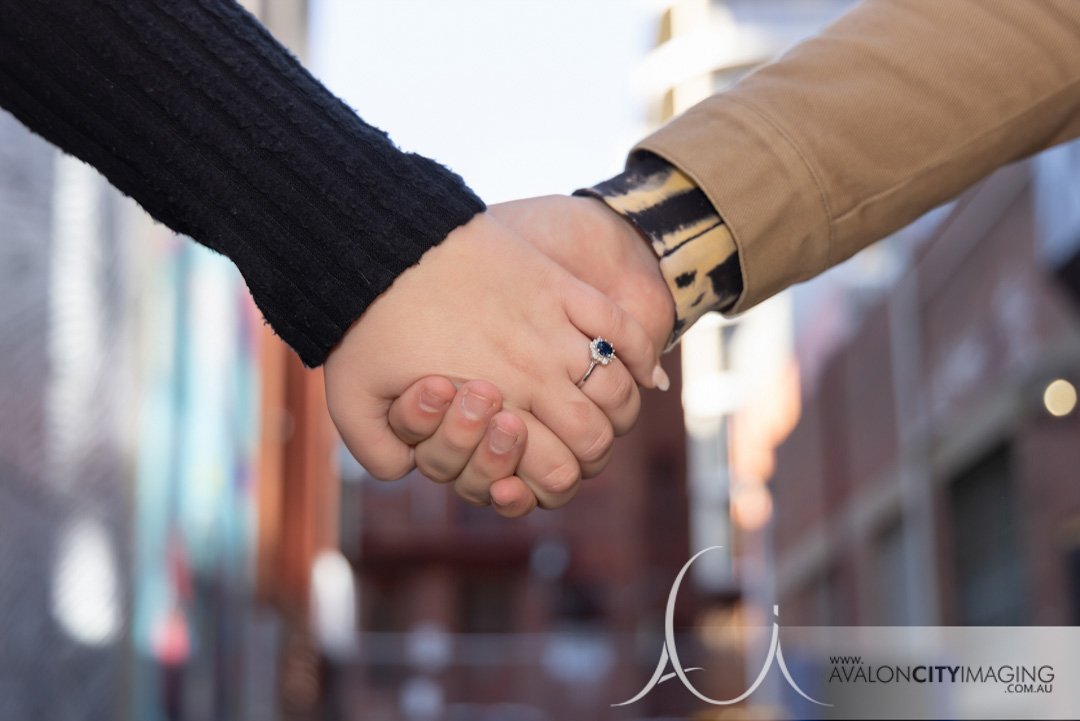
(926, 481)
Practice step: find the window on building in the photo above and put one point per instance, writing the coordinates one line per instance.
(989, 583)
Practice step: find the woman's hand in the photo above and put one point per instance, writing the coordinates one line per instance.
(599, 247)
(487, 304)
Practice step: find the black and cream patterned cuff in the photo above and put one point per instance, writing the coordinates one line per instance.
(697, 254)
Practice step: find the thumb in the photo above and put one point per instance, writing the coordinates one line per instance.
(365, 429)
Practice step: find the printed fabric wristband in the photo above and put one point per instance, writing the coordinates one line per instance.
(697, 253)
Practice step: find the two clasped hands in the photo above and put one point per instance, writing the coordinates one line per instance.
(468, 367)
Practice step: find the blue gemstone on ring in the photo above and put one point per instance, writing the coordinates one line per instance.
(602, 352)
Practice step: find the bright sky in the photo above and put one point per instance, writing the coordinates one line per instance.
(520, 97)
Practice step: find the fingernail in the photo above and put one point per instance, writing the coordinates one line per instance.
(660, 379)
(433, 402)
(475, 406)
(501, 441)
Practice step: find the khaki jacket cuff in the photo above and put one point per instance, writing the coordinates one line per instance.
(781, 229)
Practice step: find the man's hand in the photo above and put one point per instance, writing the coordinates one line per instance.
(487, 304)
(599, 247)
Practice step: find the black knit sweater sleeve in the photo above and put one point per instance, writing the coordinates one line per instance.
(196, 112)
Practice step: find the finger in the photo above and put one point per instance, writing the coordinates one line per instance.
(511, 498)
(547, 467)
(612, 389)
(416, 414)
(496, 457)
(597, 316)
(442, 456)
(578, 423)
(365, 431)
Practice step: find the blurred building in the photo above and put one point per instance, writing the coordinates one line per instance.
(931, 478)
(140, 399)
(65, 478)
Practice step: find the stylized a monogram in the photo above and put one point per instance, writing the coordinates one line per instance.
(670, 653)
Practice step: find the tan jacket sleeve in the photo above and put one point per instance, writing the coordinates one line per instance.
(890, 111)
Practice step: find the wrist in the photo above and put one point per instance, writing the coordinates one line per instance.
(652, 303)
(696, 252)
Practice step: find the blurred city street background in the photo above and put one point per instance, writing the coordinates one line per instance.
(183, 537)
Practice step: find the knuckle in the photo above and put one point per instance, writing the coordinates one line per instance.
(625, 388)
(458, 446)
(627, 422)
(437, 469)
(591, 470)
(580, 416)
(384, 470)
(551, 278)
(627, 415)
(408, 433)
(562, 478)
(514, 512)
(470, 496)
(614, 320)
(650, 347)
(602, 439)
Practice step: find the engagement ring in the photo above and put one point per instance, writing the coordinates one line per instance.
(601, 353)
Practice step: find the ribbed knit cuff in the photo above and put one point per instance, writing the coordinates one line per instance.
(195, 111)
